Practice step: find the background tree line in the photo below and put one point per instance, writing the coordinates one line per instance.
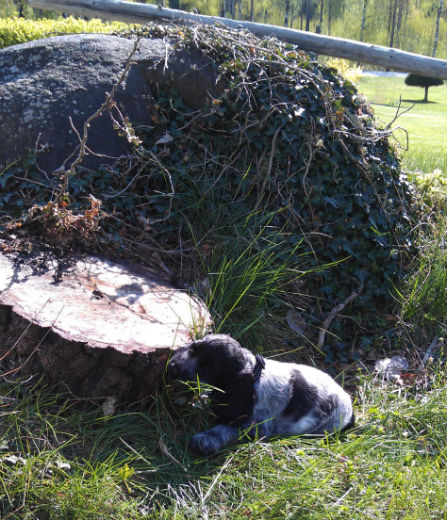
(413, 25)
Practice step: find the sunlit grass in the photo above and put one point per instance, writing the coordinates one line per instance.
(73, 463)
(426, 123)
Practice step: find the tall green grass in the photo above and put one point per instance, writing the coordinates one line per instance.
(248, 274)
(423, 294)
(71, 462)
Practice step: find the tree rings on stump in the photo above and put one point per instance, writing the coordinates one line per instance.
(100, 328)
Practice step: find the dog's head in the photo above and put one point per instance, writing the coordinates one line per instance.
(220, 361)
(217, 359)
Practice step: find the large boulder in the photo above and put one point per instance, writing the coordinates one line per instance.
(46, 82)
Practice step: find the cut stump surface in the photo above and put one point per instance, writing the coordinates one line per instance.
(99, 328)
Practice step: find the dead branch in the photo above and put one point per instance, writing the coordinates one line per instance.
(107, 105)
(333, 314)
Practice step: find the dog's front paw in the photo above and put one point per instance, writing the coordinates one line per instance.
(204, 443)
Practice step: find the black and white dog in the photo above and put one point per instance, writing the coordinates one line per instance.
(259, 397)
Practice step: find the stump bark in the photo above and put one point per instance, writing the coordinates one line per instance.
(100, 328)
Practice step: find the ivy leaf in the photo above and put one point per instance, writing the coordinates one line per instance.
(331, 201)
(4, 178)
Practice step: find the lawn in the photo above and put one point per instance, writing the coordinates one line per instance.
(426, 123)
(62, 459)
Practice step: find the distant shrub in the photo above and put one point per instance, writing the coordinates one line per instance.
(346, 69)
(7, 8)
(20, 30)
(414, 80)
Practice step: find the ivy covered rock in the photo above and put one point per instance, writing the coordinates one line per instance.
(277, 191)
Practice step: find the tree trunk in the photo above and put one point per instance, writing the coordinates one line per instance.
(308, 15)
(400, 10)
(393, 22)
(438, 18)
(252, 9)
(100, 328)
(286, 13)
(426, 94)
(390, 16)
(362, 27)
(329, 17)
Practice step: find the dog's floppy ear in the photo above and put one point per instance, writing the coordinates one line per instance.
(235, 406)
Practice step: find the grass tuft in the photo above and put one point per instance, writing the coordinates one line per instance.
(74, 463)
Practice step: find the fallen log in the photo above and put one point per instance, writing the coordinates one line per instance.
(98, 328)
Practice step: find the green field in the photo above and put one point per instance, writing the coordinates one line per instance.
(426, 123)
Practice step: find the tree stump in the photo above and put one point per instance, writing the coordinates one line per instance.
(98, 328)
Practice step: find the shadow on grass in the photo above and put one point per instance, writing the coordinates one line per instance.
(78, 458)
(419, 101)
(146, 446)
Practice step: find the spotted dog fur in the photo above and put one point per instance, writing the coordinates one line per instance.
(261, 397)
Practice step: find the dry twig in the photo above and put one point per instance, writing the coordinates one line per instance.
(107, 105)
(333, 314)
